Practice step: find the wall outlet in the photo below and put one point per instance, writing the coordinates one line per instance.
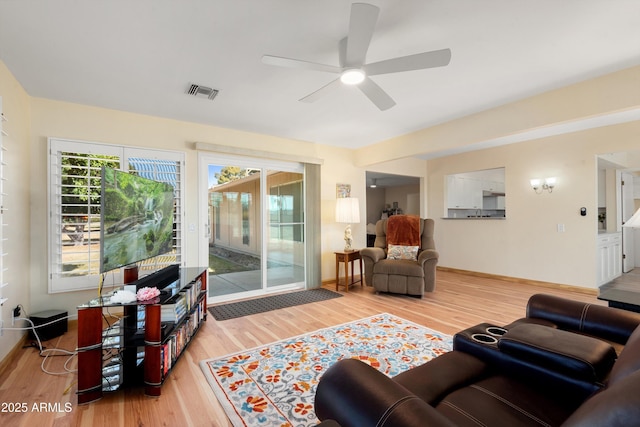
(15, 315)
(560, 228)
(1, 327)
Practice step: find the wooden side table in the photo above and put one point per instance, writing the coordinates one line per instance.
(347, 257)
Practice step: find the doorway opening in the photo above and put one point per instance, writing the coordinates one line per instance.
(618, 199)
(387, 195)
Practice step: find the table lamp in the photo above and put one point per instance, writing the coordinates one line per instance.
(347, 212)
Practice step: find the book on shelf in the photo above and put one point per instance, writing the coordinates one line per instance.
(166, 358)
(174, 311)
(180, 337)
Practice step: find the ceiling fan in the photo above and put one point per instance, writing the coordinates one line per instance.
(352, 56)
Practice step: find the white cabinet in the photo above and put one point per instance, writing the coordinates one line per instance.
(464, 193)
(473, 193)
(609, 257)
(493, 186)
(454, 191)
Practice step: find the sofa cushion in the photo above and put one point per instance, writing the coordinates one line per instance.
(401, 267)
(502, 401)
(356, 395)
(403, 252)
(434, 380)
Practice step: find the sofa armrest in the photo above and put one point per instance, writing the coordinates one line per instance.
(574, 355)
(374, 254)
(604, 322)
(426, 255)
(356, 395)
(437, 378)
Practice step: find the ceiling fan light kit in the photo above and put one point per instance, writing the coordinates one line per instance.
(352, 56)
(352, 76)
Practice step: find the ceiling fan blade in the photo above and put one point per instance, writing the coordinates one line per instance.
(297, 63)
(314, 96)
(419, 61)
(376, 94)
(342, 52)
(362, 23)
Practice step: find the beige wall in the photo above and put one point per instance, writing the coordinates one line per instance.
(15, 104)
(86, 123)
(402, 195)
(375, 204)
(611, 93)
(339, 167)
(525, 245)
(80, 122)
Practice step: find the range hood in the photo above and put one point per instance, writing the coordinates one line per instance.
(486, 193)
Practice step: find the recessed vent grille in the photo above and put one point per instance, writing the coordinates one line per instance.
(202, 91)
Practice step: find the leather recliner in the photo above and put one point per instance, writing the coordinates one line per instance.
(566, 364)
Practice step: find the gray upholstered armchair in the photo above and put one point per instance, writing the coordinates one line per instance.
(402, 276)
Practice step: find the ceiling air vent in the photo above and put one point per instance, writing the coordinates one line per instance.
(202, 91)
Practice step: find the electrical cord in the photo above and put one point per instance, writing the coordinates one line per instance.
(43, 351)
(46, 353)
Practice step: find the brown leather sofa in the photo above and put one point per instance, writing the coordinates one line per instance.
(566, 364)
(401, 276)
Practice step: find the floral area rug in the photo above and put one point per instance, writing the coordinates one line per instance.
(274, 385)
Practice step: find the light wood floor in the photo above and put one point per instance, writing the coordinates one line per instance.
(460, 301)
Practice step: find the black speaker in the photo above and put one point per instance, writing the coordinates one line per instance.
(51, 330)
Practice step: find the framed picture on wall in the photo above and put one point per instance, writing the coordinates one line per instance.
(343, 190)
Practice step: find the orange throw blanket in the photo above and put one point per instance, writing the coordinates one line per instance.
(403, 230)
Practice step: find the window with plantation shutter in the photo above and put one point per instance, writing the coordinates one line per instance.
(3, 240)
(74, 208)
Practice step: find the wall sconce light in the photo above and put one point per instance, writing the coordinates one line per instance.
(539, 185)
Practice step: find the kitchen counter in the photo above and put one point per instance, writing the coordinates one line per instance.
(477, 218)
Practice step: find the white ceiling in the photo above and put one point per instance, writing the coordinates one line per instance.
(141, 55)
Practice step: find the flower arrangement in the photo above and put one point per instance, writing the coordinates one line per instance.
(602, 219)
(147, 293)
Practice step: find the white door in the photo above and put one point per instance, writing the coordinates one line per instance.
(628, 245)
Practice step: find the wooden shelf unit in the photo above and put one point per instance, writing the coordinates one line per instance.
(140, 347)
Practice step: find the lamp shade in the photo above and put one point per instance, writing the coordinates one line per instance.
(634, 221)
(347, 210)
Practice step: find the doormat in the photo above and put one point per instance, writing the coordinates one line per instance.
(274, 302)
(275, 384)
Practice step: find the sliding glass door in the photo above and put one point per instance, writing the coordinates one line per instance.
(285, 233)
(255, 226)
